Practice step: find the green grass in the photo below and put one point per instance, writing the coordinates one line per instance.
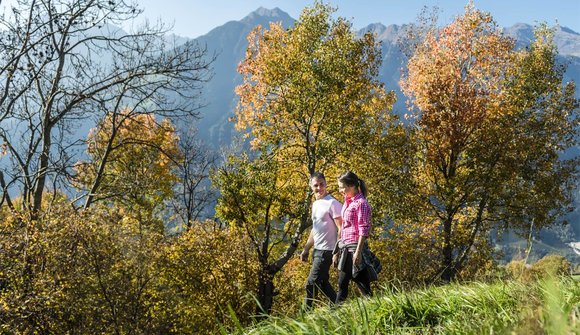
(545, 307)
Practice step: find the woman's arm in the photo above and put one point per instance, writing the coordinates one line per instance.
(357, 257)
(364, 227)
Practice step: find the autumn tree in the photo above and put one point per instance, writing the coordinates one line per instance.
(64, 62)
(75, 272)
(492, 123)
(256, 201)
(94, 270)
(308, 101)
(139, 169)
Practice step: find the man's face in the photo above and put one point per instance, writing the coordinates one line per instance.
(318, 186)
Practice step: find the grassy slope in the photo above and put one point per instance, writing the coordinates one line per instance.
(548, 306)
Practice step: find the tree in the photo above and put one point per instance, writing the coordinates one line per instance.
(193, 194)
(256, 201)
(65, 61)
(492, 125)
(94, 271)
(140, 166)
(309, 99)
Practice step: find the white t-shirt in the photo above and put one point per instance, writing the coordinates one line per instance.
(324, 229)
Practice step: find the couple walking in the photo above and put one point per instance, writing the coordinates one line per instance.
(349, 224)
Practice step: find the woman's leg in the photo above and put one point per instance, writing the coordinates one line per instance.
(344, 277)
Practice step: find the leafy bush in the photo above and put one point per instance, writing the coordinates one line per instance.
(71, 272)
(202, 276)
(517, 269)
(290, 286)
(552, 265)
(101, 272)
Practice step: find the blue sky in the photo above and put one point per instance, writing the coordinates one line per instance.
(192, 18)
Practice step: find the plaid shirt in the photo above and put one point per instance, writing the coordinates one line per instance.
(356, 219)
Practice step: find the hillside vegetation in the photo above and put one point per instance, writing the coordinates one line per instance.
(547, 306)
(112, 241)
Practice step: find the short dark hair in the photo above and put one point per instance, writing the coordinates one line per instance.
(317, 175)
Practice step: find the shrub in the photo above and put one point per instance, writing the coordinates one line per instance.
(552, 265)
(202, 276)
(102, 272)
(517, 269)
(71, 272)
(555, 265)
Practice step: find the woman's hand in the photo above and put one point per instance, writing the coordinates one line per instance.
(356, 258)
(335, 260)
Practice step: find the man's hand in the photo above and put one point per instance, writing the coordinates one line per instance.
(304, 255)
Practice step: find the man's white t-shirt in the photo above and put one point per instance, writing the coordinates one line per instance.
(323, 227)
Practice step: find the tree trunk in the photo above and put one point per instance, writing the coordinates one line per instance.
(268, 271)
(449, 270)
(265, 292)
(42, 172)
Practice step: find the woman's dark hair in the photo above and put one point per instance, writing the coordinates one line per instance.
(349, 178)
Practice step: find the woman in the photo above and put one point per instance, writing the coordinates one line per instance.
(356, 224)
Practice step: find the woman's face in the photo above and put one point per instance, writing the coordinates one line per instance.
(347, 191)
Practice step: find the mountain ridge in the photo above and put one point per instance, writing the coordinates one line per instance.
(229, 42)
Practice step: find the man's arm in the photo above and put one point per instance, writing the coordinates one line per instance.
(338, 223)
(307, 246)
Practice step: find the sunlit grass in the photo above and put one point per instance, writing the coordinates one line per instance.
(548, 306)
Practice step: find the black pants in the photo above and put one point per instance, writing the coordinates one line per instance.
(319, 278)
(345, 276)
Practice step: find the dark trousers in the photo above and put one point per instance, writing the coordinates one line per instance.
(362, 280)
(319, 278)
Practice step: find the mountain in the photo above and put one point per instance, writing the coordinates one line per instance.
(567, 41)
(229, 43)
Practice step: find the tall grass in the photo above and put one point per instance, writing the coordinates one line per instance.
(544, 307)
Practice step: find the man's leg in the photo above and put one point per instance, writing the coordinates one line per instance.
(313, 277)
(324, 279)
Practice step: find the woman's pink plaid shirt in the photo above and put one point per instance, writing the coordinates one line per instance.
(356, 219)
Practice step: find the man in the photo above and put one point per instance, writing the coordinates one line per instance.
(326, 222)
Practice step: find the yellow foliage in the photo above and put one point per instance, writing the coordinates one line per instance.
(88, 272)
(139, 156)
(204, 273)
(290, 285)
